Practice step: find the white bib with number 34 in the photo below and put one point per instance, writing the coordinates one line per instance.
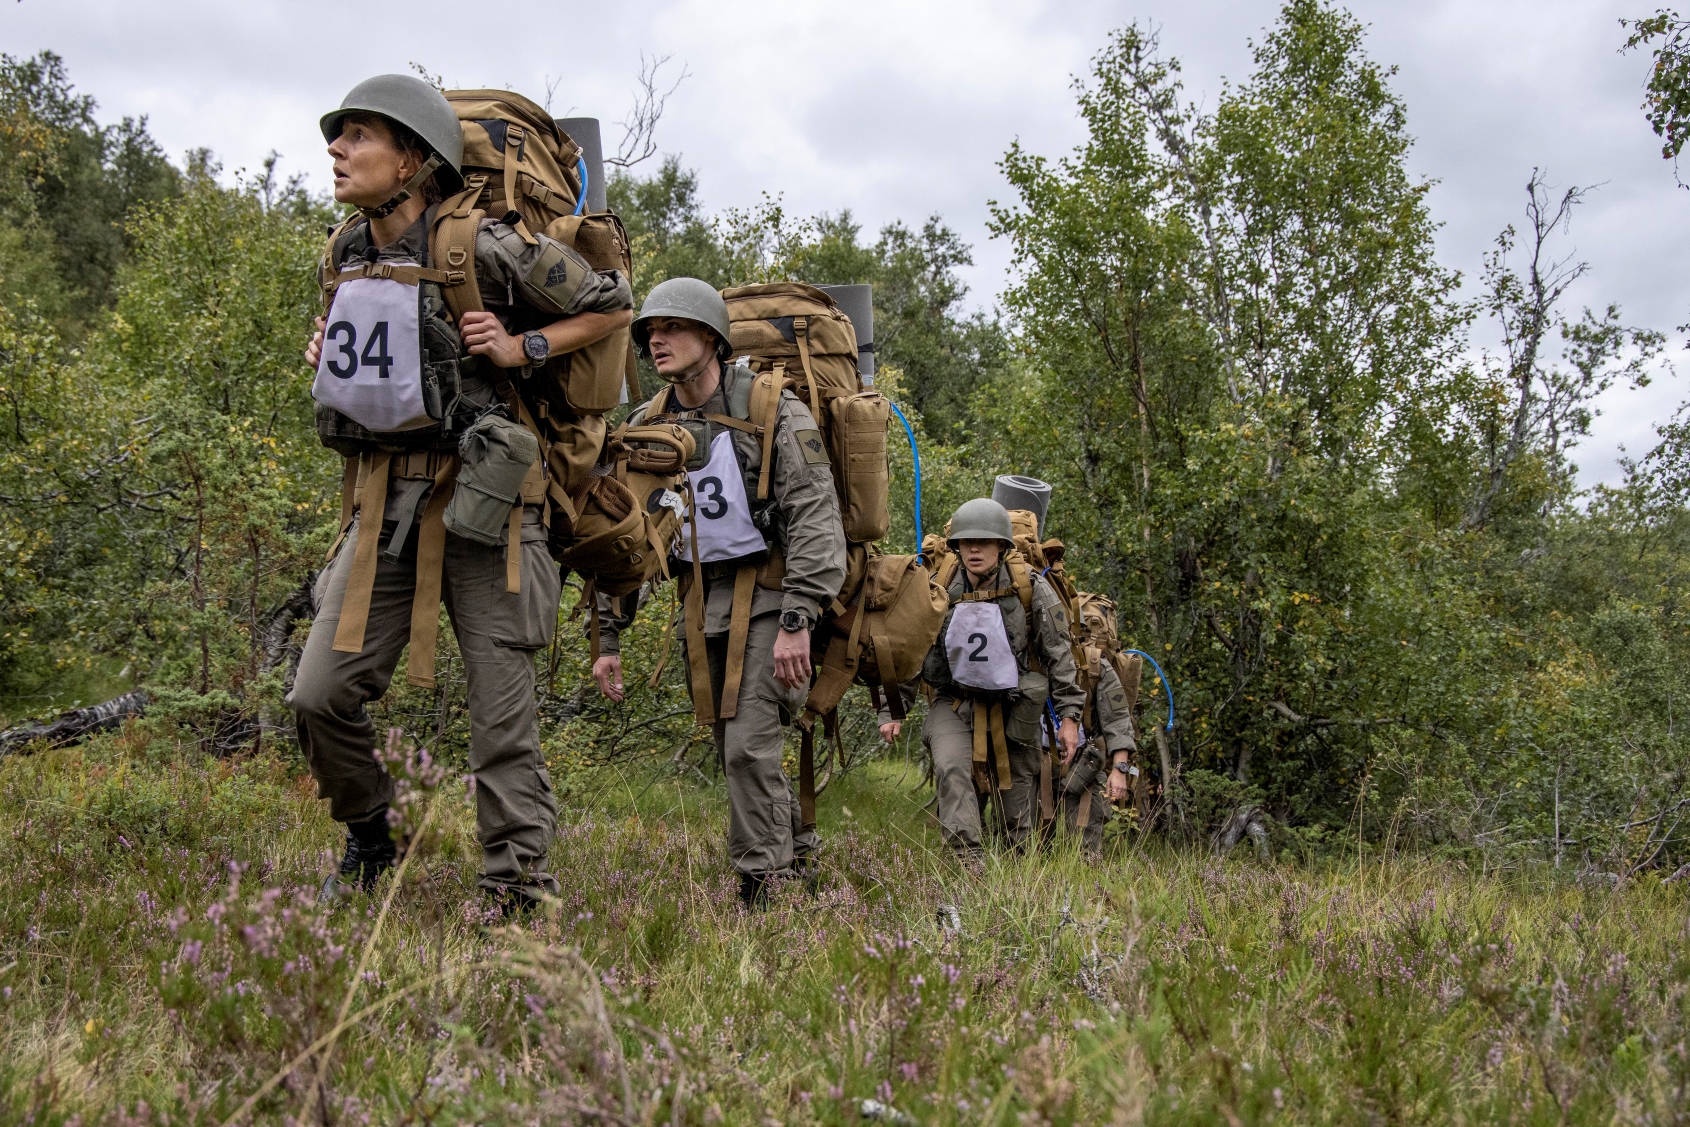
(371, 366)
(720, 507)
(978, 648)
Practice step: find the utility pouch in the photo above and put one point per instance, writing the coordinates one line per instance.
(1082, 773)
(497, 454)
(1026, 708)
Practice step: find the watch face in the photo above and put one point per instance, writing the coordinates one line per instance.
(535, 346)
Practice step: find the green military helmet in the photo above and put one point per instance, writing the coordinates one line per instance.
(420, 108)
(981, 519)
(688, 299)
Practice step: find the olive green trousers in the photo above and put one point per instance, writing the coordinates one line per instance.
(498, 634)
(949, 736)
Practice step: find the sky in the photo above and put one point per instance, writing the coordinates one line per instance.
(902, 110)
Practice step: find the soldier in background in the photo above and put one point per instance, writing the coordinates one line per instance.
(794, 543)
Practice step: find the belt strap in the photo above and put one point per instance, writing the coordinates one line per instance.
(1047, 797)
(431, 559)
(738, 626)
(988, 731)
(698, 663)
(1083, 818)
(407, 493)
(807, 778)
(361, 581)
(348, 501)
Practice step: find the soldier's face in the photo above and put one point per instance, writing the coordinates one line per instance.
(980, 557)
(368, 167)
(679, 348)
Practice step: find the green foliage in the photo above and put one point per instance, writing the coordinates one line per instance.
(1666, 99)
(67, 186)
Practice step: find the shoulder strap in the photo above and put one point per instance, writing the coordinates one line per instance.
(763, 403)
(1022, 577)
(451, 246)
(329, 268)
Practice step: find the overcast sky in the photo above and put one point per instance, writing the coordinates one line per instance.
(900, 110)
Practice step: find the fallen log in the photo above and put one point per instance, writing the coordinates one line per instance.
(76, 724)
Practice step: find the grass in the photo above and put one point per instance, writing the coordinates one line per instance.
(162, 960)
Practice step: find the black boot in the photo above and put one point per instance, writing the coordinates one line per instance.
(753, 891)
(370, 852)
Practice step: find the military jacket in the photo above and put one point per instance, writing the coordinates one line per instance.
(1114, 718)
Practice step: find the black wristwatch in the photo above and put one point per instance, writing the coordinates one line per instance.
(536, 347)
(793, 621)
(1125, 766)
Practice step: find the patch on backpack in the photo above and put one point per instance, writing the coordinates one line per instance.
(815, 450)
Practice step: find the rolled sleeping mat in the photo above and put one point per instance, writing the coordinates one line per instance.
(857, 303)
(1013, 491)
(584, 131)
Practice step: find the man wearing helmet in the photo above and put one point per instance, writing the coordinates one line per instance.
(1002, 652)
(767, 568)
(397, 148)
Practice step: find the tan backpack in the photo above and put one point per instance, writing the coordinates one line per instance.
(797, 334)
(1100, 636)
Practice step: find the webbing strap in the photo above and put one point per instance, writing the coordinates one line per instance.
(1083, 818)
(736, 424)
(361, 581)
(988, 731)
(514, 139)
(398, 271)
(1047, 796)
(431, 561)
(888, 674)
(667, 645)
(590, 597)
(745, 579)
(774, 381)
(983, 596)
(452, 241)
(807, 778)
(348, 502)
(513, 553)
(698, 663)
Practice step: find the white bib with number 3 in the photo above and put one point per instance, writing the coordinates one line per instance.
(978, 647)
(719, 505)
(371, 367)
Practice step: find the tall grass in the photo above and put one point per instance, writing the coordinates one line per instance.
(162, 959)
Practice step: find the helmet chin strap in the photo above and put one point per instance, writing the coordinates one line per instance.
(405, 193)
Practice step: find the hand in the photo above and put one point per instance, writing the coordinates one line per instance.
(314, 350)
(792, 658)
(485, 336)
(607, 671)
(1069, 737)
(1116, 788)
(889, 730)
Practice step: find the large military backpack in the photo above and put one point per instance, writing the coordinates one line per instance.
(1100, 638)
(797, 339)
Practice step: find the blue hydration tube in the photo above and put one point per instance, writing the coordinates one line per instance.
(1166, 684)
(581, 204)
(915, 454)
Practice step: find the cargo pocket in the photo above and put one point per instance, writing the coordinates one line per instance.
(527, 620)
(1027, 706)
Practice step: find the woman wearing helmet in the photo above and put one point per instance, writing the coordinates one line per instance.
(1002, 652)
(399, 379)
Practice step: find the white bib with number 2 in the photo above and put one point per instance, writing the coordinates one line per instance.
(978, 648)
(371, 367)
(720, 508)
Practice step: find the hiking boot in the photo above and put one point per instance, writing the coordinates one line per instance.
(370, 852)
(515, 901)
(754, 891)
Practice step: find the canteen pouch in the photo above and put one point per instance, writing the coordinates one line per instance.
(1026, 708)
(1082, 773)
(497, 455)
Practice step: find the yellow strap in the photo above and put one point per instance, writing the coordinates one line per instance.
(513, 552)
(361, 581)
(668, 644)
(745, 579)
(773, 383)
(348, 502)
(698, 663)
(995, 715)
(431, 561)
